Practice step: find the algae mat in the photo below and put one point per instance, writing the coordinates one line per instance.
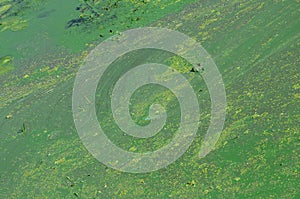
(255, 45)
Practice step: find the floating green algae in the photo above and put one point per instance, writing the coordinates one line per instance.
(4, 9)
(13, 24)
(10, 18)
(256, 157)
(5, 64)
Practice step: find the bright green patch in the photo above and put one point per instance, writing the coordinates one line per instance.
(5, 64)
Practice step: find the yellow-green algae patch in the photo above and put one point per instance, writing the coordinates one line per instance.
(5, 64)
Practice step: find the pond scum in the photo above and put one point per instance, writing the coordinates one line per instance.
(255, 45)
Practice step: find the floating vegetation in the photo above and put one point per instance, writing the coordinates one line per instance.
(11, 12)
(256, 155)
(5, 64)
(123, 14)
(13, 24)
(4, 9)
(99, 11)
(9, 116)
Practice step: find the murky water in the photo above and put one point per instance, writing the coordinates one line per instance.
(255, 45)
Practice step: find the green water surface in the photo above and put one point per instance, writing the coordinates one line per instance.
(255, 45)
